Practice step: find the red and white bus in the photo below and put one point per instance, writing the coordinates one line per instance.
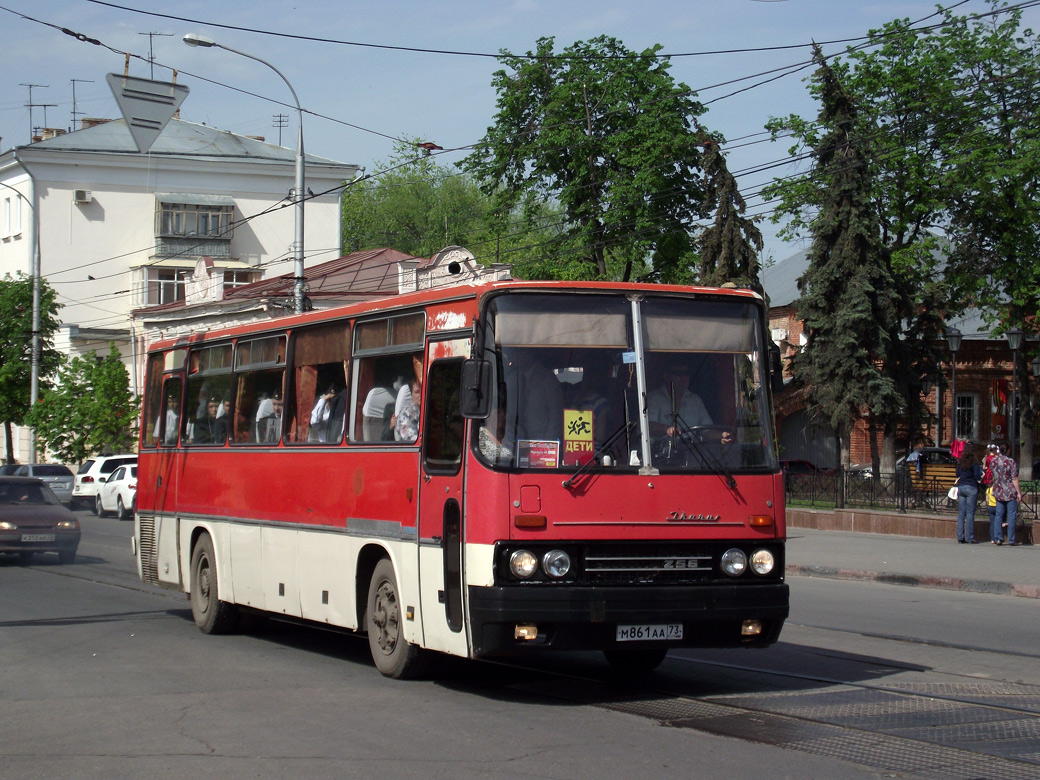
(481, 470)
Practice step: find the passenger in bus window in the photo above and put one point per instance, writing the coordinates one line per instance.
(327, 414)
(673, 408)
(170, 433)
(406, 423)
(269, 419)
(211, 429)
(534, 409)
(489, 440)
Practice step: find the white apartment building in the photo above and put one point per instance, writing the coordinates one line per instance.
(118, 230)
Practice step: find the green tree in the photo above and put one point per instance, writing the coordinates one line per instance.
(729, 247)
(991, 152)
(420, 207)
(611, 139)
(16, 296)
(847, 300)
(90, 409)
(898, 85)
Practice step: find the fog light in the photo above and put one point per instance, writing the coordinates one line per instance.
(556, 564)
(733, 562)
(751, 628)
(523, 564)
(525, 632)
(762, 561)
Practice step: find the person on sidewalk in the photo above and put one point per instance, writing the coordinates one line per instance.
(1007, 492)
(969, 474)
(992, 450)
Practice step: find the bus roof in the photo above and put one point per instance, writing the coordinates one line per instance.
(446, 294)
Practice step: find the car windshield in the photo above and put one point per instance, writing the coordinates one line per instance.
(567, 390)
(26, 493)
(47, 470)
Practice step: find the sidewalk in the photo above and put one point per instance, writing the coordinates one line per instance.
(913, 560)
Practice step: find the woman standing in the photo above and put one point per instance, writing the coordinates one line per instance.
(969, 474)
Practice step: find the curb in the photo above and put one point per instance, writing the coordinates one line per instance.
(943, 583)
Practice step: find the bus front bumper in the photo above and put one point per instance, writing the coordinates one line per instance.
(582, 618)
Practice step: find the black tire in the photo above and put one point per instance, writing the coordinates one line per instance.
(638, 661)
(120, 509)
(393, 655)
(66, 557)
(97, 506)
(212, 615)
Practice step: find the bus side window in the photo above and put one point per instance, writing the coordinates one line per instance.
(258, 406)
(316, 405)
(443, 423)
(165, 429)
(153, 401)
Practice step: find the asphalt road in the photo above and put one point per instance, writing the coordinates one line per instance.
(105, 677)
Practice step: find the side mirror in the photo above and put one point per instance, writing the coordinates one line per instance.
(475, 397)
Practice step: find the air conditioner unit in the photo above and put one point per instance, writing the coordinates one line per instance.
(81, 196)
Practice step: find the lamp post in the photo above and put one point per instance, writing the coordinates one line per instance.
(192, 39)
(953, 341)
(1014, 337)
(926, 387)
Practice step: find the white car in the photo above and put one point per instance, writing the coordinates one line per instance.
(118, 494)
(94, 473)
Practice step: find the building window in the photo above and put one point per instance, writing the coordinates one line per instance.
(235, 278)
(967, 413)
(192, 219)
(165, 285)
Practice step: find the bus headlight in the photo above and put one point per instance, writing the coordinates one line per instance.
(762, 561)
(733, 562)
(556, 564)
(523, 564)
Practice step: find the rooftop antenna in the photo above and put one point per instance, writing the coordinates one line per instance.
(151, 56)
(280, 121)
(74, 111)
(30, 105)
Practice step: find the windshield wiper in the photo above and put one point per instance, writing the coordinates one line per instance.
(688, 438)
(610, 442)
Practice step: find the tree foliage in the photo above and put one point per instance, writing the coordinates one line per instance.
(419, 207)
(90, 409)
(611, 139)
(730, 246)
(16, 306)
(847, 299)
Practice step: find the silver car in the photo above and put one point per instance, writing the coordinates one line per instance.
(57, 477)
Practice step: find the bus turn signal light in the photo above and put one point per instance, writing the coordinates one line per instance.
(525, 631)
(760, 521)
(530, 522)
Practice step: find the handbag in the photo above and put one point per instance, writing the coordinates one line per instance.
(952, 495)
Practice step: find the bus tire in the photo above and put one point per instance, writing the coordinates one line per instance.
(394, 656)
(212, 615)
(635, 661)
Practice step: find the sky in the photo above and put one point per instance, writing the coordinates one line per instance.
(403, 69)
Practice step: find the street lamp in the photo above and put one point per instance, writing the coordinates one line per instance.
(953, 341)
(1014, 337)
(194, 40)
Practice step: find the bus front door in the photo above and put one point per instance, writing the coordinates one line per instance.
(441, 573)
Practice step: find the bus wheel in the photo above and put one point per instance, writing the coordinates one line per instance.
(393, 655)
(635, 661)
(211, 614)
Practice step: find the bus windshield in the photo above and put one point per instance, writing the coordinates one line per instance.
(656, 383)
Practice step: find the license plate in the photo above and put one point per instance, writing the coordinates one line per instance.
(649, 631)
(37, 537)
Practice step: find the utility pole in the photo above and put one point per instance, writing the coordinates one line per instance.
(281, 121)
(74, 111)
(151, 56)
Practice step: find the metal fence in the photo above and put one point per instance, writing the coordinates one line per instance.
(840, 489)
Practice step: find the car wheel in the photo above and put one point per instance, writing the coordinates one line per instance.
(635, 661)
(66, 557)
(212, 615)
(394, 656)
(120, 509)
(98, 509)
(25, 558)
